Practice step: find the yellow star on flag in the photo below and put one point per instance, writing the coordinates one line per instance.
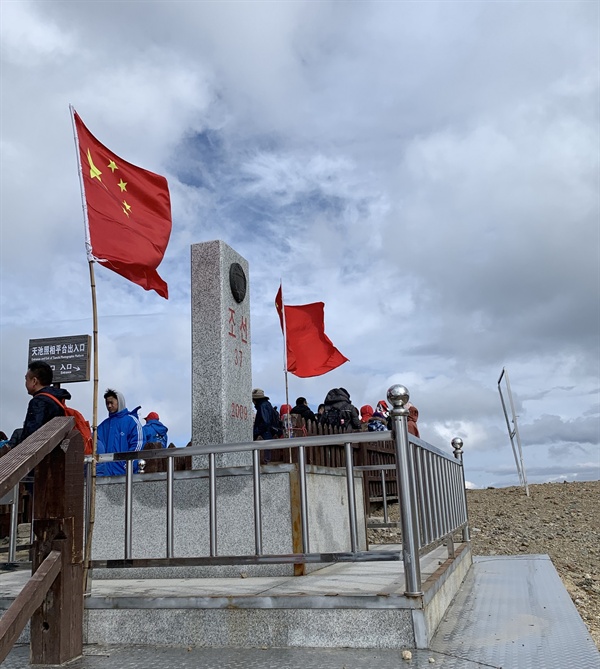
(126, 207)
(94, 171)
(112, 166)
(122, 185)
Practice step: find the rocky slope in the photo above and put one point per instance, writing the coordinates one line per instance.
(561, 520)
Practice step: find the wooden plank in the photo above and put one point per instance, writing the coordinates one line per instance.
(18, 462)
(57, 624)
(27, 601)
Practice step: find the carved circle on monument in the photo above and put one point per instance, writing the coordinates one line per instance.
(237, 282)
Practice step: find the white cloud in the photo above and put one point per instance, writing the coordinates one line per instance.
(427, 170)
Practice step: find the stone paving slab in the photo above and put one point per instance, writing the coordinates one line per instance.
(120, 657)
(512, 612)
(341, 579)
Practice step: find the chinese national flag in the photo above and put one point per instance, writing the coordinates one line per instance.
(309, 350)
(128, 213)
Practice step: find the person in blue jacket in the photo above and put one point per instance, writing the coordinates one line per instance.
(154, 430)
(120, 432)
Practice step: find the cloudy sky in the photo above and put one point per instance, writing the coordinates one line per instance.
(429, 170)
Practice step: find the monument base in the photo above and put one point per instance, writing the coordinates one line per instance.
(328, 519)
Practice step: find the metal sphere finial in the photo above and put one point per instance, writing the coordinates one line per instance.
(141, 466)
(398, 395)
(457, 444)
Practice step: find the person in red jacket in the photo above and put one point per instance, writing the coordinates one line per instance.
(413, 417)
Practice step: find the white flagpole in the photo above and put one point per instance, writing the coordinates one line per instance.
(88, 248)
(285, 369)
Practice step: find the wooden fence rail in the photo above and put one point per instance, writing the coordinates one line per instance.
(53, 597)
(375, 453)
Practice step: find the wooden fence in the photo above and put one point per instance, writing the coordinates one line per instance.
(53, 597)
(373, 453)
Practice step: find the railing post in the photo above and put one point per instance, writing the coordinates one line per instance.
(57, 625)
(457, 444)
(384, 497)
(170, 514)
(258, 546)
(398, 396)
(14, 525)
(212, 503)
(351, 497)
(128, 508)
(303, 499)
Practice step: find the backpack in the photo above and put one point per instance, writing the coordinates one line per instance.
(336, 418)
(277, 427)
(81, 424)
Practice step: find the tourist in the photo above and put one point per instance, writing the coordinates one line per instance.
(41, 409)
(264, 420)
(413, 417)
(339, 410)
(377, 422)
(303, 410)
(119, 433)
(154, 431)
(286, 419)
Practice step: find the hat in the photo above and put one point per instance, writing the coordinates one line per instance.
(366, 412)
(259, 394)
(285, 409)
(152, 416)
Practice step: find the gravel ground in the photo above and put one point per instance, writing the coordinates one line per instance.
(561, 520)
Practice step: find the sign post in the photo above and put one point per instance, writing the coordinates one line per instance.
(69, 357)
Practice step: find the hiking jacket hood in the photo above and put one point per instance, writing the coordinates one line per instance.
(119, 433)
(155, 431)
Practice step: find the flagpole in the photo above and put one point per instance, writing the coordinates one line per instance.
(285, 369)
(92, 496)
(91, 511)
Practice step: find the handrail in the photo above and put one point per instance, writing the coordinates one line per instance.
(19, 461)
(54, 605)
(428, 482)
(245, 446)
(27, 601)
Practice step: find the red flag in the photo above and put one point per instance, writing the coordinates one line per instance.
(309, 350)
(128, 213)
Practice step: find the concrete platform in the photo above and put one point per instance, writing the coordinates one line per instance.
(355, 605)
(510, 613)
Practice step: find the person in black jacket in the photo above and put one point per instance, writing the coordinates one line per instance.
(40, 409)
(339, 410)
(302, 409)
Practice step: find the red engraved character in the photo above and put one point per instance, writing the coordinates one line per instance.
(231, 332)
(244, 330)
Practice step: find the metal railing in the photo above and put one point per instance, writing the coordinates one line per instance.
(431, 494)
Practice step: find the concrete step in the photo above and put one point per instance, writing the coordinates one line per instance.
(355, 605)
(511, 612)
